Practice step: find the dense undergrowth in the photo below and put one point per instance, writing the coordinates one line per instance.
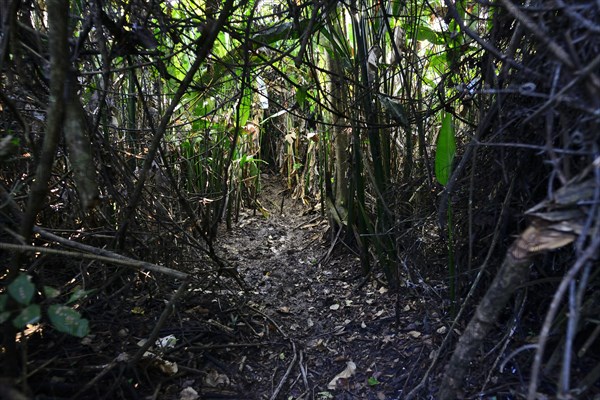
(132, 133)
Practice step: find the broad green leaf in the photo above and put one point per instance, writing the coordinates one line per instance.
(276, 33)
(301, 92)
(67, 320)
(3, 300)
(439, 62)
(51, 292)
(77, 294)
(245, 105)
(373, 381)
(21, 289)
(395, 109)
(220, 46)
(4, 316)
(397, 7)
(28, 315)
(426, 33)
(338, 46)
(445, 150)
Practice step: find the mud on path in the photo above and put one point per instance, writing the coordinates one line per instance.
(303, 322)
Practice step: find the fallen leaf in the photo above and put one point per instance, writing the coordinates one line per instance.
(167, 367)
(167, 342)
(87, 341)
(324, 395)
(345, 374)
(284, 310)
(339, 330)
(388, 338)
(188, 394)
(334, 307)
(198, 310)
(372, 381)
(414, 334)
(214, 379)
(442, 330)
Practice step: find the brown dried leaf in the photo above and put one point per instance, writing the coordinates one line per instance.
(536, 239)
(345, 374)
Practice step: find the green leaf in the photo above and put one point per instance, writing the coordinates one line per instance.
(51, 292)
(21, 289)
(3, 300)
(445, 150)
(28, 315)
(245, 105)
(77, 294)
(301, 92)
(337, 46)
(397, 7)
(373, 381)
(395, 109)
(4, 316)
(433, 37)
(66, 320)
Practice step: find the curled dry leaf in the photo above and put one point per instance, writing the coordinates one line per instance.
(188, 394)
(345, 374)
(214, 379)
(168, 368)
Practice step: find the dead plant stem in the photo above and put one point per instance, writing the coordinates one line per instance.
(471, 293)
(588, 254)
(114, 259)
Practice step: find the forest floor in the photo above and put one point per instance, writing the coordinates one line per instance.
(308, 324)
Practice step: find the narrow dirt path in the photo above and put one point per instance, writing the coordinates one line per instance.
(299, 324)
(302, 322)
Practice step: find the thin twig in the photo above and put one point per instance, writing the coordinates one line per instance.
(303, 370)
(506, 341)
(289, 369)
(95, 380)
(159, 324)
(115, 259)
(581, 74)
(589, 254)
(286, 374)
(538, 33)
(471, 293)
(453, 12)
